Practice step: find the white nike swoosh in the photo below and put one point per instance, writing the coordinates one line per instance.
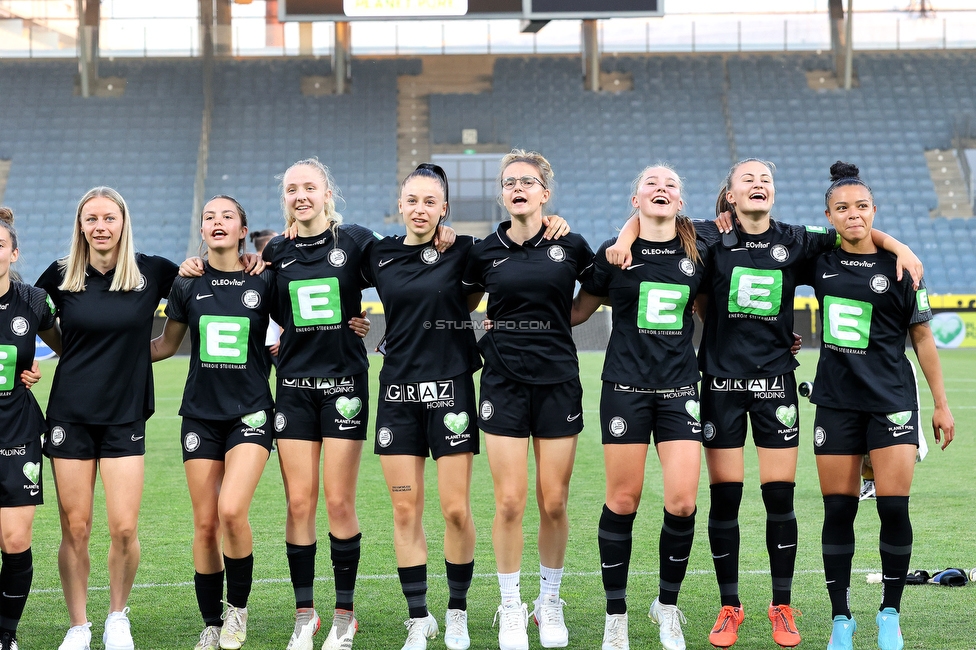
(571, 418)
(634, 266)
(719, 557)
(383, 263)
(33, 493)
(890, 578)
(6, 595)
(612, 566)
(346, 427)
(209, 295)
(674, 559)
(830, 275)
(497, 262)
(895, 435)
(788, 437)
(252, 433)
(737, 249)
(134, 439)
(781, 547)
(288, 263)
(830, 582)
(455, 443)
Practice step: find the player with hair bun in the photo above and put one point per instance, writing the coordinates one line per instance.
(106, 296)
(530, 388)
(25, 312)
(227, 414)
(867, 400)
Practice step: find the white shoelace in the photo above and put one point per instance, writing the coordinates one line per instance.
(456, 623)
(512, 617)
(617, 633)
(416, 631)
(671, 619)
(118, 623)
(550, 612)
(234, 619)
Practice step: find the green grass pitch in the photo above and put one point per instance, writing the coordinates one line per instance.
(164, 612)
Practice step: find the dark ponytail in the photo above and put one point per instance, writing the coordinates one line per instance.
(436, 172)
(721, 201)
(841, 174)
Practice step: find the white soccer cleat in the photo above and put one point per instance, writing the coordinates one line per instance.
(615, 635)
(234, 631)
(512, 619)
(548, 615)
(418, 631)
(456, 630)
(344, 627)
(118, 633)
(868, 491)
(77, 638)
(306, 626)
(669, 618)
(209, 639)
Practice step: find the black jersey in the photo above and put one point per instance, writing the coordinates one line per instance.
(749, 320)
(105, 372)
(227, 315)
(530, 298)
(319, 288)
(651, 341)
(24, 311)
(865, 314)
(429, 331)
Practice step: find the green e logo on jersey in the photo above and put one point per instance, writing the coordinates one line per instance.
(315, 302)
(661, 306)
(8, 366)
(223, 339)
(755, 291)
(922, 300)
(846, 323)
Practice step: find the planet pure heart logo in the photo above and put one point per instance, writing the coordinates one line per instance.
(255, 420)
(948, 329)
(900, 418)
(694, 409)
(33, 472)
(349, 408)
(456, 422)
(786, 415)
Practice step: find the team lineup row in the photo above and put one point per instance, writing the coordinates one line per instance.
(95, 308)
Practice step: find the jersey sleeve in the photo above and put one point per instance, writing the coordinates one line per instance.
(40, 304)
(473, 280)
(598, 281)
(366, 268)
(50, 280)
(271, 249)
(584, 260)
(921, 310)
(816, 240)
(164, 272)
(707, 231)
(177, 307)
(364, 237)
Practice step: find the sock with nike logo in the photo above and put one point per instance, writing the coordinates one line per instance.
(677, 535)
(615, 537)
(723, 538)
(837, 546)
(16, 576)
(896, 548)
(781, 537)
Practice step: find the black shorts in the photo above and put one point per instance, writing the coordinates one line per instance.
(853, 433)
(92, 441)
(516, 409)
(632, 415)
(312, 408)
(434, 418)
(212, 439)
(20, 475)
(771, 404)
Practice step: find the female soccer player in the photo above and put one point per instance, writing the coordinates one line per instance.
(650, 381)
(25, 312)
(867, 401)
(106, 295)
(529, 388)
(747, 367)
(227, 414)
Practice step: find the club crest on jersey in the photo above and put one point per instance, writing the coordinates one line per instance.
(280, 422)
(819, 436)
(337, 257)
(384, 437)
(487, 410)
(430, 255)
(251, 299)
(19, 326)
(879, 283)
(779, 253)
(57, 436)
(557, 253)
(143, 282)
(618, 426)
(686, 266)
(191, 442)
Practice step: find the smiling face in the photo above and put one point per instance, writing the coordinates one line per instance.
(102, 224)
(222, 228)
(523, 202)
(851, 212)
(422, 205)
(658, 194)
(305, 194)
(751, 190)
(8, 254)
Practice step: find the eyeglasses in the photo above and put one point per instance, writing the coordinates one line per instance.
(528, 182)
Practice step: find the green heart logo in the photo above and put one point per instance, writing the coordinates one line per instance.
(947, 328)
(786, 415)
(900, 418)
(255, 420)
(694, 409)
(349, 408)
(33, 472)
(456, 422)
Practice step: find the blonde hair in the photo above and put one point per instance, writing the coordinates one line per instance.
(127, 275)
(537, 160)
(683, 225)
(330, 203)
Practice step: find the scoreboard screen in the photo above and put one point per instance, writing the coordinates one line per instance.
(342, 10)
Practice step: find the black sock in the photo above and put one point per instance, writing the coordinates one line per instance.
(674, 549)
(240, 575)
(210, 591)
(896, 549)
(723, 538)
(301, 567)
(458, 582)
(837, 541)
(345, 566)
(413, 583)
(781, 537)
(16, 575)
(615, 537)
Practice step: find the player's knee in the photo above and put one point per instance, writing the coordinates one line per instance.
(205, 533)
(340, 510)
(233, 519)
(457, 516)
(510, 507)
(681, 506)
(76, 530)
(301, 508)
(624, 502)
(16, 541)
(553, 508)
(124, 535)
(405, 514)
